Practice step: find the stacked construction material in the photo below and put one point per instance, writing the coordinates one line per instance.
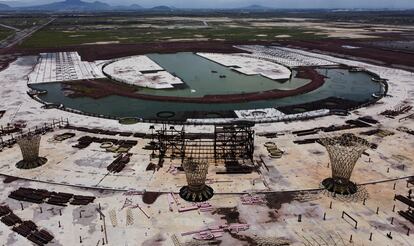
(216, 231)
(122, 145)
(40, 237)
(59, 198)
(27, 229)
(64, 136)
(105, 132)
(405, 200)
(126, 134)
(83, 142)
(405, 129)
(54, 198)
(29, 195)
(306, 141)
(126, 145)
(82, 200)
(119, 163)
(274, 151)
(11, 219)
(408, 215)
(379, 132)
(399, 109)
(4, 210)
(307, 132)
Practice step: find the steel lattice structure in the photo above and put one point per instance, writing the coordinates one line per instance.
(344, 151)
(228, 142)
(232, 142)
(196, 174)
(168, 140)
(29, 146)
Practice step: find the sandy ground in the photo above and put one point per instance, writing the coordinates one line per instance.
(302, 167)
(249, 66)
(131, 71)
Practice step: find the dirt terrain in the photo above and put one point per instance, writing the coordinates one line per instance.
(111, 51)
(357, 50)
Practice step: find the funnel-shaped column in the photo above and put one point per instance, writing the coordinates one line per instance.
(344, 151)
(29, 146)
(196, 174)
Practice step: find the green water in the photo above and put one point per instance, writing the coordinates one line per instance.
(339, 83)
(197, 74)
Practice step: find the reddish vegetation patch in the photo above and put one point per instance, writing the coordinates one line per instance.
(98, 88)
(102, 88)
(150, 197)
(365, 52)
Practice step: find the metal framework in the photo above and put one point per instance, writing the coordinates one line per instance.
(344, 151)
(232, 142)
(29, 146)
(196, 174)
(169, 140)
(228, 143)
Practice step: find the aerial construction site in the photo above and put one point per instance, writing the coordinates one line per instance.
(187, 128)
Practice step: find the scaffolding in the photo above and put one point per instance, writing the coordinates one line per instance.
(169, 142)
(228, 143)
(233, 142)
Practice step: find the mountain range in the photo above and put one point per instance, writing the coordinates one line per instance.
(97, 6)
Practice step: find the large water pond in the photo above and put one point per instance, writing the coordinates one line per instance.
(196, 72)
(205, 77)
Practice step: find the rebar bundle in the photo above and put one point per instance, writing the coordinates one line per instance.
(344, 151)
(196, 174)
(29, 146)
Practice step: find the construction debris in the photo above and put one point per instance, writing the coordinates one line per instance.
(27, 229)
(55, 198)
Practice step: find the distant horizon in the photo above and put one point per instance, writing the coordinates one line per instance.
(223, 4)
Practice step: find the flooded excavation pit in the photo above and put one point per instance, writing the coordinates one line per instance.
(203, 86)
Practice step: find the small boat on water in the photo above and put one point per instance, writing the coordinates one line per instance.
(213, 71)
(37, 92)
(375, 95)
(356, 69)
(222, 76)
(378, 80)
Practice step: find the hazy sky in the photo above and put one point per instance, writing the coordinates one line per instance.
(240, 3)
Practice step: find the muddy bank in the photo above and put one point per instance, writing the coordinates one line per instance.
(102, 88)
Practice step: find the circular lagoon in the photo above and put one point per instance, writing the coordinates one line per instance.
(212, 90)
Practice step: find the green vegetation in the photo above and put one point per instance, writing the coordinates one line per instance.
(4, 33)
(77, 31)
(22, 22)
